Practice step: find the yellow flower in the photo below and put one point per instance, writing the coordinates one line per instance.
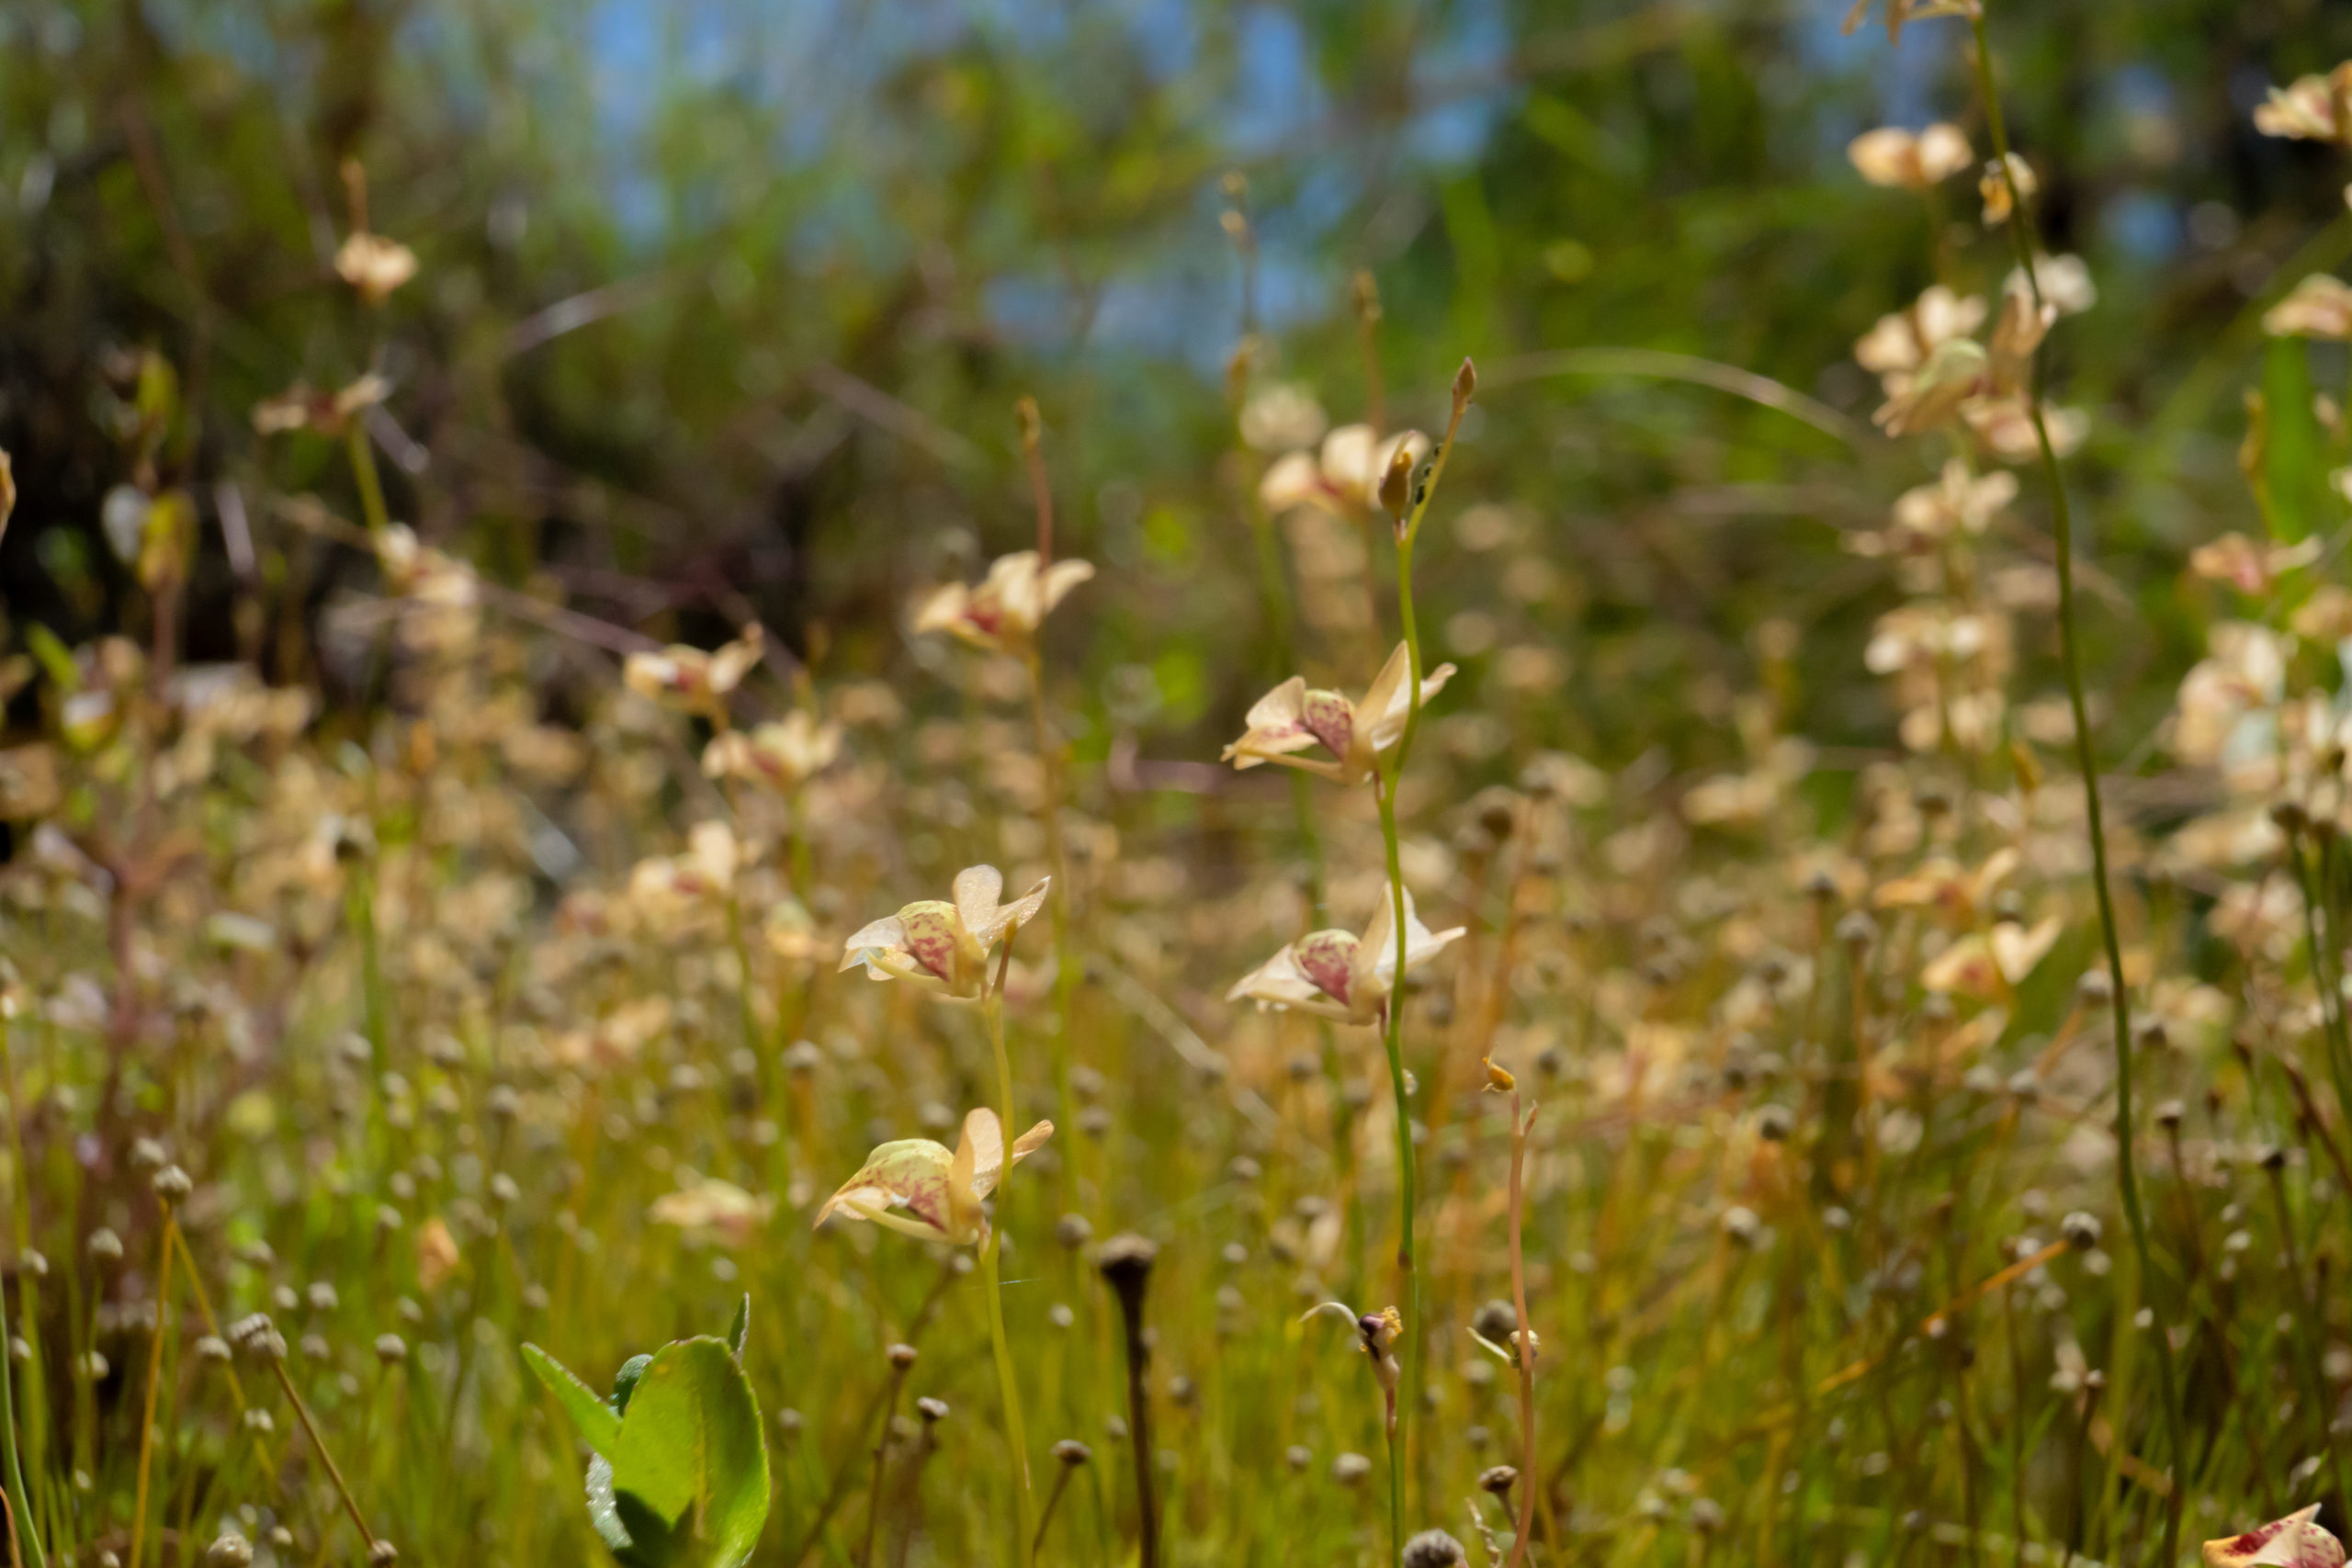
(1889, 156)
(780, 754)
(2299, 1541)
(941, 946)
(1337, 975)
(1292, 717)
(2320, 307)
(374, 266)
(690, 679)
(1002, 614)
(940, 1192)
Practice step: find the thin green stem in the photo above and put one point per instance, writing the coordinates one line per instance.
(2087, 760)
(1008, 1389)
(371, 487)
(1065, 969)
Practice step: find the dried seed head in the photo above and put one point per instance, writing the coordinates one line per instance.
(1498, 1479)
(933, 1411)
(1072, 1452)
(901, 1356)
(212, 1347)
(1495, 1321)
(146, 1154)
(2096, 989)
(382, 1554)
(1706, 1515)
(1773, 1124)
(1856, 930)
(1298, 1456)
(173, 1185)
(2081, 1230)
(1073, 1231)
(1350, 1469)
(2271, 1158)
(390, 1349)
(1435, 1549)
(105, 1246)
(230, 1550)
(1125, 1261)
(1741, 1225)
(2170, 1113)
(322, 1296)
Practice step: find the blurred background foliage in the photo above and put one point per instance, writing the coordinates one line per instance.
(724, 307)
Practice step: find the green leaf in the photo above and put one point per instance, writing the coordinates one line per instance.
(625, 1380)
(690, 1455)
(2295, 447)
(740, 1329)
(598, 1425)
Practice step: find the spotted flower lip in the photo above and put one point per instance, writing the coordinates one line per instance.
(1337, 975)
(1002, 614)
(943, 946)
(2299, 1541)
(1294, 717)
(920, 1188)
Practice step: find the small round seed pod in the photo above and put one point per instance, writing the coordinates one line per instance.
(1495, 1321)
(901, 1356)
(146, 1154)
(2270, 1156)
(1434, 1549)
(1774, 1123)
(105, 1246)
(933, 1411)
(1073, 1231)
(322, 1296)
(2170, 1113)
(230, 1550)
(1350, 1469)
(382, 1554)
(1498, 1479)
(390, 1349)
(173, 1185)
(1072, 1452)
(1856, 930)
(2081, 1230)
(212, 1347)
(1298, 1456)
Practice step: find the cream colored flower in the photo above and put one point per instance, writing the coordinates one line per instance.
(940, 1192)
(2228, 699)
(1958, 503)
(2320, 307)
(374, 266)
(1345, 477)
(2299, 1541)
(690, 679)
(2314, 109)
(662, 885)
(1984, 963)
(300, 407)
(1291, 717)
(1337, 975)
(941, 946)
(782, 754)
(1889, 156)
(1904, 340)
(714, 1211)
(1931, 396)
(2063, 279)
(1282, 415)
(1002, 614)
(2247, 567)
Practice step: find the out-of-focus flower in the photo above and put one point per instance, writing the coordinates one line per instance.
(706, 871)
(1002, 614)
(437, 1254)
(374, 266)
(782, 754)
(1941, 884)
(2064, 281)
(1931, 396)
(1904, 340)
(1282, 415)
(1337, 975)
(713, 1211)
(2299, 1541)
(1982, 964)
(1958, 503)
(2247, 567)
(1345, 477)
(2313, 108)
(2002, 187)
(691, 679)
(304, 407)
(2005, 427)
(2320, 307)
(944, 947)
(1292, 717)
(2228, 698)
(1912, 161)
(940, 1192)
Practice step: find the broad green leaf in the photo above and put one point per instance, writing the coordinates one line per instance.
(739, 1331)
(598, 1425)
(690, 1455)
(2295, 447)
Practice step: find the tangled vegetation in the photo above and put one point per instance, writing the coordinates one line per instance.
(1825, 1044)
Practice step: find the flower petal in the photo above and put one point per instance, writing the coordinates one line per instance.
(977, 888)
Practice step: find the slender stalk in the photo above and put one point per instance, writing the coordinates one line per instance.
(310, 1429)
(19, 1500)
(147, 1406)
(362, 469)
(1057, 856)
(1008, 1389)
(881, 1449)
(1520, 1127)
(2087, 760)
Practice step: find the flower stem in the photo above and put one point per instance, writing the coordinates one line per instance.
(1065, 970)
(362, 469)
(2087, 760)
(1025, 1501)
(1528, 1474)
(154, 1378)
